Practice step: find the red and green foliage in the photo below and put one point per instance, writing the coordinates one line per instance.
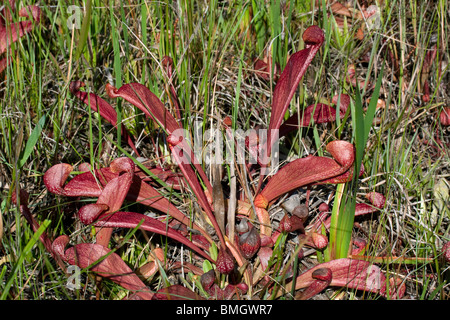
(123, 183)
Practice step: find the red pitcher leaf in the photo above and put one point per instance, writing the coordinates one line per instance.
(84, 167)
(291, 224)
(309, 170)
(92, 184)
(147, 195)
(167, 63)
(263, 69)
(107, 264)
(89, 184)
(359, 245)
(264, 254)
(132, 220)
(10, 33)
(314, 240)
(171, 178)
(4, 63)
(444, 116)
(342, 178)
(356, 275)
(22, 202)
(185, 158)
(141, 97)
(59, 245)
(225, 261)
(245, 208)
(319, 113)
(426, 66)
(176, 292)
(364, 208)
(264, 219)
(102, 107)
(117, 189)
(249, 243)
(33, 11)
(319, 240)
(230, 290)
(260, 201)
(291, 76)
(56, 176)
(207, 279)
(377, 201)
(201, 241)
(446, 251)
(122, 165)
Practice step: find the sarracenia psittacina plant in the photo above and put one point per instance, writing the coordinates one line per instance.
(11, 32)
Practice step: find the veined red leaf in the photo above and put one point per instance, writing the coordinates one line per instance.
(10, 33)
(342, 178)
(90, 212)
(225, 261)
(91, 184)
(310, 170)
(141, 97)
(263, 69)
(114, 193)
(103, 262)
(446, 251)
(176, 292)
(444, 116)
(193, 182)
(171, 178)
(319, 113)
(167, 63)
(117, 189)
(102, 107)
